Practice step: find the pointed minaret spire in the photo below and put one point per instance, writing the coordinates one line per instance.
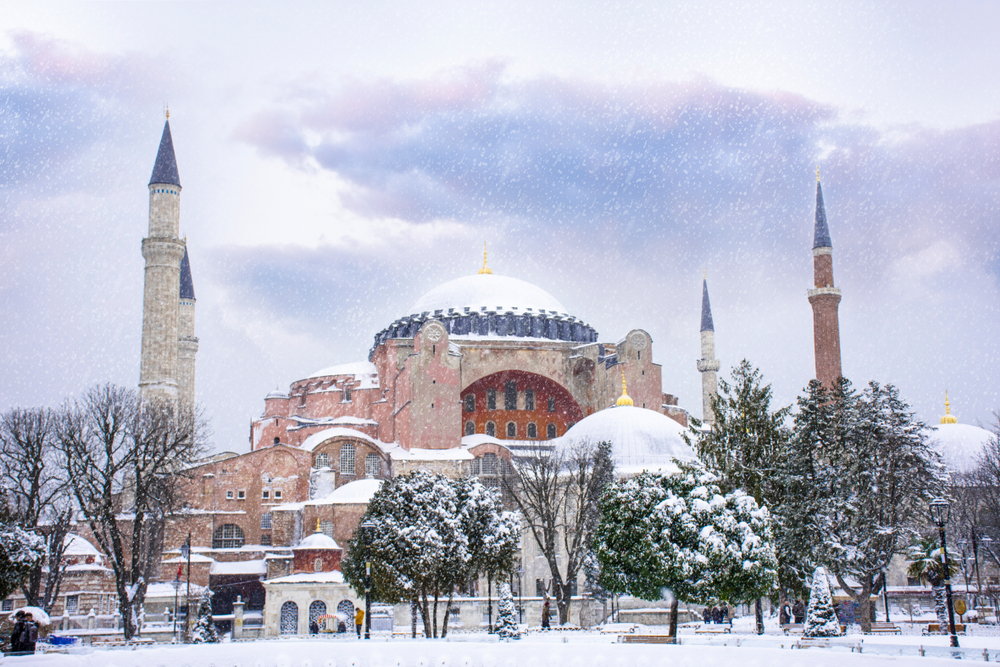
(165, 167)
(708, 365)
(187, 282)
(824, 298)
(187, 341)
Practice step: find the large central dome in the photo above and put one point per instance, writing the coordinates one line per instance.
(488, 306)
(487, 291)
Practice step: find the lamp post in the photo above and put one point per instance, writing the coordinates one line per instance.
(940, 511)
(177, 590)
(367, 534)
(489, 603)
(186, 554)
(520, 602)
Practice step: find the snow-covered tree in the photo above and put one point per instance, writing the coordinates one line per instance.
(20, 552)
(507, 615)
(680, 536)
(924, 556)
(821, 618)
(204, 631)
(431, 535)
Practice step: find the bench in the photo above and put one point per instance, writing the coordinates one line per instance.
(647, 639)
(714, 629)
(885, 629)
(935, 629)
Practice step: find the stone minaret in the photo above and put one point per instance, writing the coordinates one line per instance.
(825, 299)
(708, 365)
(188, 343)
(163, 250)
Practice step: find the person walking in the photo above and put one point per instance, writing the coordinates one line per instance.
(785, 613)
(15, 635)
(313, 628)
(359, 619)
(546, 607)
(706, 615)
(30, 634)
(724, 612)
(799, 612)
(716, 615)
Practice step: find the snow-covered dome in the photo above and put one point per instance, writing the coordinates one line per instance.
(641, 439)
(959, 444)
(317, 541)
(487, 291)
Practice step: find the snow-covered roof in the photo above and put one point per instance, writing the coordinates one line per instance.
(316, 439)
(357, 368)
(87, 567)
(332, 577)
(77, 546)
(239, 567)
(353, 493)
(166, 590)
(317, 541)
(490, 291)
(477, 439)
(959, 444)
(195, 558)
(641, 439)
(417, 454)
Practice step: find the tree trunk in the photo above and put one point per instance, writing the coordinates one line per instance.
(434, 618)
(562, 602)
(426, 615)
(447, 613)
(414, 606)
(672, 632)
(759, 614)
(941, 608)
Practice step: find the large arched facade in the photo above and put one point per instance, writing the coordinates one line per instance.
(518, 405)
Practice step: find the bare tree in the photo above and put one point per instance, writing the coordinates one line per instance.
(126, 459)
(558, 493)
(35, 484)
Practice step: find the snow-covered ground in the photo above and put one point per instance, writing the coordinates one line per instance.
(555, 649)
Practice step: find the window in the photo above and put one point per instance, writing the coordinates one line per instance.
(470, 402)
(470, 427)
(529, 399)
(241, 495)
(323, 460)
(532, 430)
(265, 540)
(72, 603)
(289, 623)
(511, 430)
(491, 399)
(540, 588)
(550, 431)
(552, 403)
(316, 610)
(318, 564)
(476, 466)
(277, 494)
(491, 465)
(7, 605)
(265, 521)
(510, 395)
(266, 495)
(371, 465)
(229, 495)
(326, 527)
(347, 394)
(347, 458)
(491, 429)
(228, 536)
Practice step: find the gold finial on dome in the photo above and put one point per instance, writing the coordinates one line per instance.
(485, 268)
(317, 525)
(948, 417)
(817, 173)
(624, 399)
(166, 111)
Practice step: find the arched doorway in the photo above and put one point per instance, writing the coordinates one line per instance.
(289, 618)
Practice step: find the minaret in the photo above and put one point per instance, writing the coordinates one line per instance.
(825, 299)
(708, 365)
(187, 343)
(163, 250)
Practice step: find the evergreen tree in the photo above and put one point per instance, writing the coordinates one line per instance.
(821, 618)
(204, 631)
(507, 615)
(20, 552)
(680, 534)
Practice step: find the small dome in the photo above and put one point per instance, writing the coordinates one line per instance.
(641, 439)
(317, 541)
(959, 444)
(277, 393)
(490, 291)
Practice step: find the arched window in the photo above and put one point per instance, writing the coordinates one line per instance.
(289, 618)
(470, 402)
(371, 465)
(476, 467)
(491, 465)
(347, 458)
(510, 395)
(532, 430)
(318, 564)
(322, 460)
(529, 399)
(491, 429)
(491, 399)
(470, 427)
(228, 536)
(346, 607)
(552, 403)
(550, 431)
(511, 430)
(265, 521)
(316, 609)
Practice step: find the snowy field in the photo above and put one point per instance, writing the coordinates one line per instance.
(550, 650)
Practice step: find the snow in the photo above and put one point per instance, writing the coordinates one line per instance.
(353, 493)
(37, 614)
(417, 454)
(332, 577)
(195, 558)
(77, 546)
(642, 439)
(490, 291)
(477, 439)
(959, 444)
(317, 439)
(239, 567)
(317, 541)
(555, 649)
(166, 591)
(356, 368)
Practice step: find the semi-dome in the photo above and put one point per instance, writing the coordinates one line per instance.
(959, 444)
(641, 439)
(486, 305)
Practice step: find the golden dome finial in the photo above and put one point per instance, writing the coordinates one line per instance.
(166, 111)
(485, 268)
(317, 525)
(624, 399)
(817, 173)
(948, 417)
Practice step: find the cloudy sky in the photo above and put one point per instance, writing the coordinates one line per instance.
(340, 159)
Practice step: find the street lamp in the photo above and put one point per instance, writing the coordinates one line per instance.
(177, 589)
(940, 511)
(186, 554)
(368, 534)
